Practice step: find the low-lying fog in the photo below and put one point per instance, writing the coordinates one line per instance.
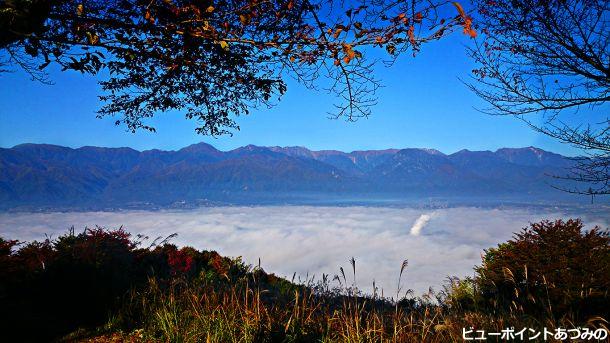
(316, 240)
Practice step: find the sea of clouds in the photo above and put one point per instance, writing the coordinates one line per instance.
(310, 240)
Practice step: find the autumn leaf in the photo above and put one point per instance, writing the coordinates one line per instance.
(418, 17)
(467, 21)
(459, 8)
(148, 16)
(338, 32)
(80, 9)
(411, 34)
(349, 53)
(470, 31)
(210, 9)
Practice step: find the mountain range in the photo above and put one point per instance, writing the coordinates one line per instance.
(54, 176)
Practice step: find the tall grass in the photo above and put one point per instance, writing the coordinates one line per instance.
(241, 311)
(201, 311)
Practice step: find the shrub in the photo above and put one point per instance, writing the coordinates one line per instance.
(50, 288)
(552, 270)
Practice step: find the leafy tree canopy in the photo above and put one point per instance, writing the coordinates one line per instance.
(214, 60)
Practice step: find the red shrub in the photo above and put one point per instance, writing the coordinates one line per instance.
(180, 261)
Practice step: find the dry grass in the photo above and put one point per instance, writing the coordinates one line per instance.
(241, 311)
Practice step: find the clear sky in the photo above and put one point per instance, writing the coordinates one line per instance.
(423, 104)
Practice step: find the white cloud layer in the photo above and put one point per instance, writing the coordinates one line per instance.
(315, 240)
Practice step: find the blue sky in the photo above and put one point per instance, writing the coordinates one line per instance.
(423, 104)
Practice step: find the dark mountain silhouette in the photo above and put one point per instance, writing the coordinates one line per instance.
(49, 175)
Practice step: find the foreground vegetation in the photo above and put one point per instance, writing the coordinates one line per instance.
(103, 286)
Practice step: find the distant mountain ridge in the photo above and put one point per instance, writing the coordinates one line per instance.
(50, 175)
